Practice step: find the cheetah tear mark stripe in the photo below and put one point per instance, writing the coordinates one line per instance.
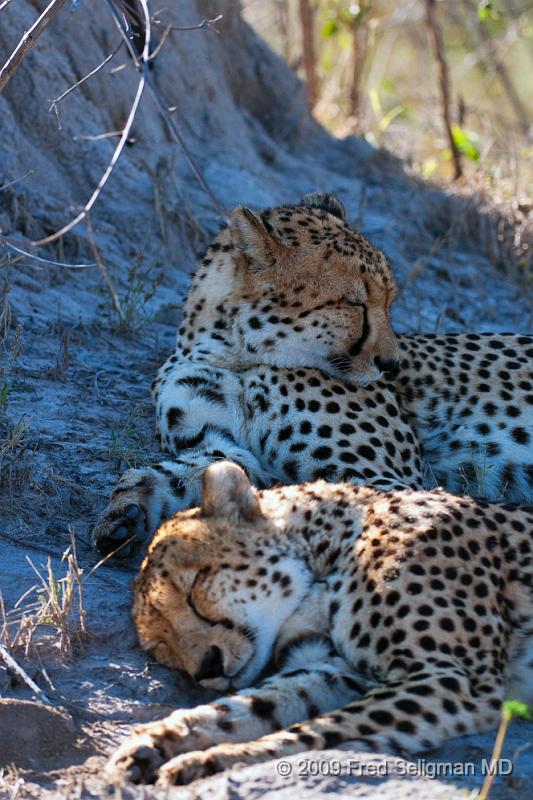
(356, 348)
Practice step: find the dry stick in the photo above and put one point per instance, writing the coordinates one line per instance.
(103, 180)
(282, 24)
(17, 180)
(308, 47)
(205, 23)
(491, 55)
(495, 757)
(28, 40)
(12, 664)
(163, 107)
(141, 64)
(61, 97)
(97, 137)
(103, 269)
(13, 244)
(166, 34)
(493, 61)
(444, 83)
(359, 49)
(118, 150)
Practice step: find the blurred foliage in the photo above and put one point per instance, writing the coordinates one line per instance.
(377, 78)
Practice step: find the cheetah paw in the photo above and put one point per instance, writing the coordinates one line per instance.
(119, 529)
(184, 769)
(137, 761)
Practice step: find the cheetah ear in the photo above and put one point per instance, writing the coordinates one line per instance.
(227, 492)
(250, 236)
(327, 202)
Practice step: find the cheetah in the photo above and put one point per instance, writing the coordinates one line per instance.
(395, 620)
(285, 364)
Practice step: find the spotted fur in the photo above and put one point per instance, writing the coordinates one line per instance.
(396, 620)
(281, 366)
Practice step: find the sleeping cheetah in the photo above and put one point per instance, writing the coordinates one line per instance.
(280, 366)
(396, 620)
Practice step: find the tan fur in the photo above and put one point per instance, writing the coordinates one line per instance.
(422, 602)
(284, 364)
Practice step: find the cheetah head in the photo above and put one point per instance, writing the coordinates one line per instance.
(213, 593)
(305, 290)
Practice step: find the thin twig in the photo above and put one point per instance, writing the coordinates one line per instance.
(103, 269)
(116, 154)
(62, 96)
(5, 242)
(205, 23)
(4, 4)
(495, 757)
(166, 33)
(17, 180)
(28, 40)
(107, 557)
(163, 107)
(118, 150)
(97, 137)
(118, 69)
(12, 664)
(444, 83)
(490, 52)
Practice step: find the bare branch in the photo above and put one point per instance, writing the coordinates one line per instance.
(98, 136)
(141, 62)
(61, 97)
(13, 244)
(120, 146)
(308, 47)
(209, 24)
(163, 107)
(166, 33)
(491, 56)
(12, 664)
(444, 82)
(28, 40)
(4, 4)
(17, 180)
(205, 23)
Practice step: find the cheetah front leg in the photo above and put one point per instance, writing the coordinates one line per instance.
(282, 700)
(144, 498)
(200, 420)
(406, 716)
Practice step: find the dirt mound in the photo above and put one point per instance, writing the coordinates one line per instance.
(33, 736)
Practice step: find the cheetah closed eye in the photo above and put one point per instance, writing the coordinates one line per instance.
(429, 591)
(284, 364)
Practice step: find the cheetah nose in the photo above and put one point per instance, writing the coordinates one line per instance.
(387, 364)
(211, 666)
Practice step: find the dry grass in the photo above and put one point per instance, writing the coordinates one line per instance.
(6, 316)
(15, 463)
(53, 606)
(15, 455)
(11, 783)
(129, 446)
(500, 227)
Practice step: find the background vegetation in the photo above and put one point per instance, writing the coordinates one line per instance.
(372, 69)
